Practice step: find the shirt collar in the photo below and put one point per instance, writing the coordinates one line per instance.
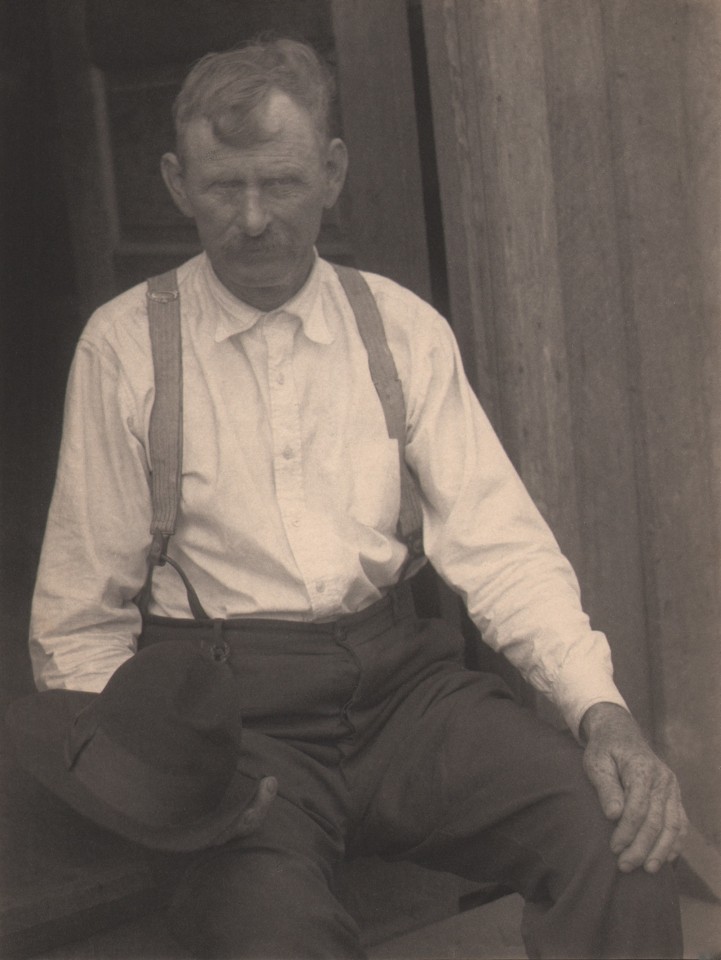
(235, 316)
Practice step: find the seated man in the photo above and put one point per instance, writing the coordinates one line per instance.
(297, 528)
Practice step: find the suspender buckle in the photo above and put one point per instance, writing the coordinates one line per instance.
(162, 296)
(158, 549)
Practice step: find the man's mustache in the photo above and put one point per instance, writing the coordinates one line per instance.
(249, 246)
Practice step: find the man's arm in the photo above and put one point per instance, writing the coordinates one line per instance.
(635, 788)
(488, 540)
(84, 623)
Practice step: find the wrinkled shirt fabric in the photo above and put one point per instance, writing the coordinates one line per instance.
(290, 487)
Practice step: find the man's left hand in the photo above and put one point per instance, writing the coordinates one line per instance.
(634, 787)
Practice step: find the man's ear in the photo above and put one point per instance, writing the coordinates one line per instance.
(336, 165)
(172, 171)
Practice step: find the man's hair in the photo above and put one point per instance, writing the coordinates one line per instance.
(226, 88)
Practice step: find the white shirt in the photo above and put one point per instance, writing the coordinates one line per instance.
(290, 487)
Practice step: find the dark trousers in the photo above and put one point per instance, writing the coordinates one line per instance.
(383, 743)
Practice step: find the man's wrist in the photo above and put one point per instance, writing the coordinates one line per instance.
(597, 715)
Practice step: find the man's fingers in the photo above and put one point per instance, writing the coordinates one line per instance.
(635, 812)
(601, 771)
(659, 837)
(256, 812)
(669, 844)
(249, 819)
(644, 837)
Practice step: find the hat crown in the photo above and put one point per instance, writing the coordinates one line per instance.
(162, 740)
(168, 701)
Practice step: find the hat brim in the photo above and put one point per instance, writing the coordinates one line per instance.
(39, 725)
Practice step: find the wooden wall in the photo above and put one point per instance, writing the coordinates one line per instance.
(579, 149)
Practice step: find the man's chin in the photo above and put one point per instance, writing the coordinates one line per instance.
(261, 279)
(266, 287)
(263, 271)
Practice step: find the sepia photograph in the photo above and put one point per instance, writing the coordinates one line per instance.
(360, 471)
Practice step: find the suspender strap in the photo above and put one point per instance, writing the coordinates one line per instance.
(165, 434)
(390, 393)
(166, 419)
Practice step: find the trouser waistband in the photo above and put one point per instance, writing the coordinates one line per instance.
(398, 604)
(298, 680)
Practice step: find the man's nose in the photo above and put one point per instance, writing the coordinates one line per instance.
(255, 217)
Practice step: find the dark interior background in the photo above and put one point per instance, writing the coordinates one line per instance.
(39, 312)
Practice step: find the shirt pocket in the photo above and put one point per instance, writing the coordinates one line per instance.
(374, 490)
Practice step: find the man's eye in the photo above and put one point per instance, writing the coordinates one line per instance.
(223, 188)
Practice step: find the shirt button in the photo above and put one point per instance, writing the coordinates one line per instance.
(288, 453)
(280, 379)
(295, 521)
(320, 586)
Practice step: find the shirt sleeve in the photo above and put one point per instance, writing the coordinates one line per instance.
(487, 539)
(84, 623)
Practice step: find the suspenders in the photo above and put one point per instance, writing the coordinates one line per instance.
(166, 419)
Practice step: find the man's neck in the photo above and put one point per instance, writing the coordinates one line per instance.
(267, 299)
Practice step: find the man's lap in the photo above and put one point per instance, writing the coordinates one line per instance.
(441, 767)
(414, 744)
(445, 794)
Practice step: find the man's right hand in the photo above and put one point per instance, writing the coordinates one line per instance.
(252, 816)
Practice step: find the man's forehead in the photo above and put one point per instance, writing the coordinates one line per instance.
(276, 115)
(207, 149)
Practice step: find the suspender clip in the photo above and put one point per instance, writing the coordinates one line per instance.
(158, 549)
(162, 296)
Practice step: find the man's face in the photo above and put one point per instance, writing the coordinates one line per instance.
(258, 205)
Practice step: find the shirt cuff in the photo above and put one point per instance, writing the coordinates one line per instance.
(579, 688)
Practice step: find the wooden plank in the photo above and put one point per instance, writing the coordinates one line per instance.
(457, 138)
(383, 200)
(647, 48)
(702, 101)
(503, 171)
(610, 563)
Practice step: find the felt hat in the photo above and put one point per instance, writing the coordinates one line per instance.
(155, 756)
